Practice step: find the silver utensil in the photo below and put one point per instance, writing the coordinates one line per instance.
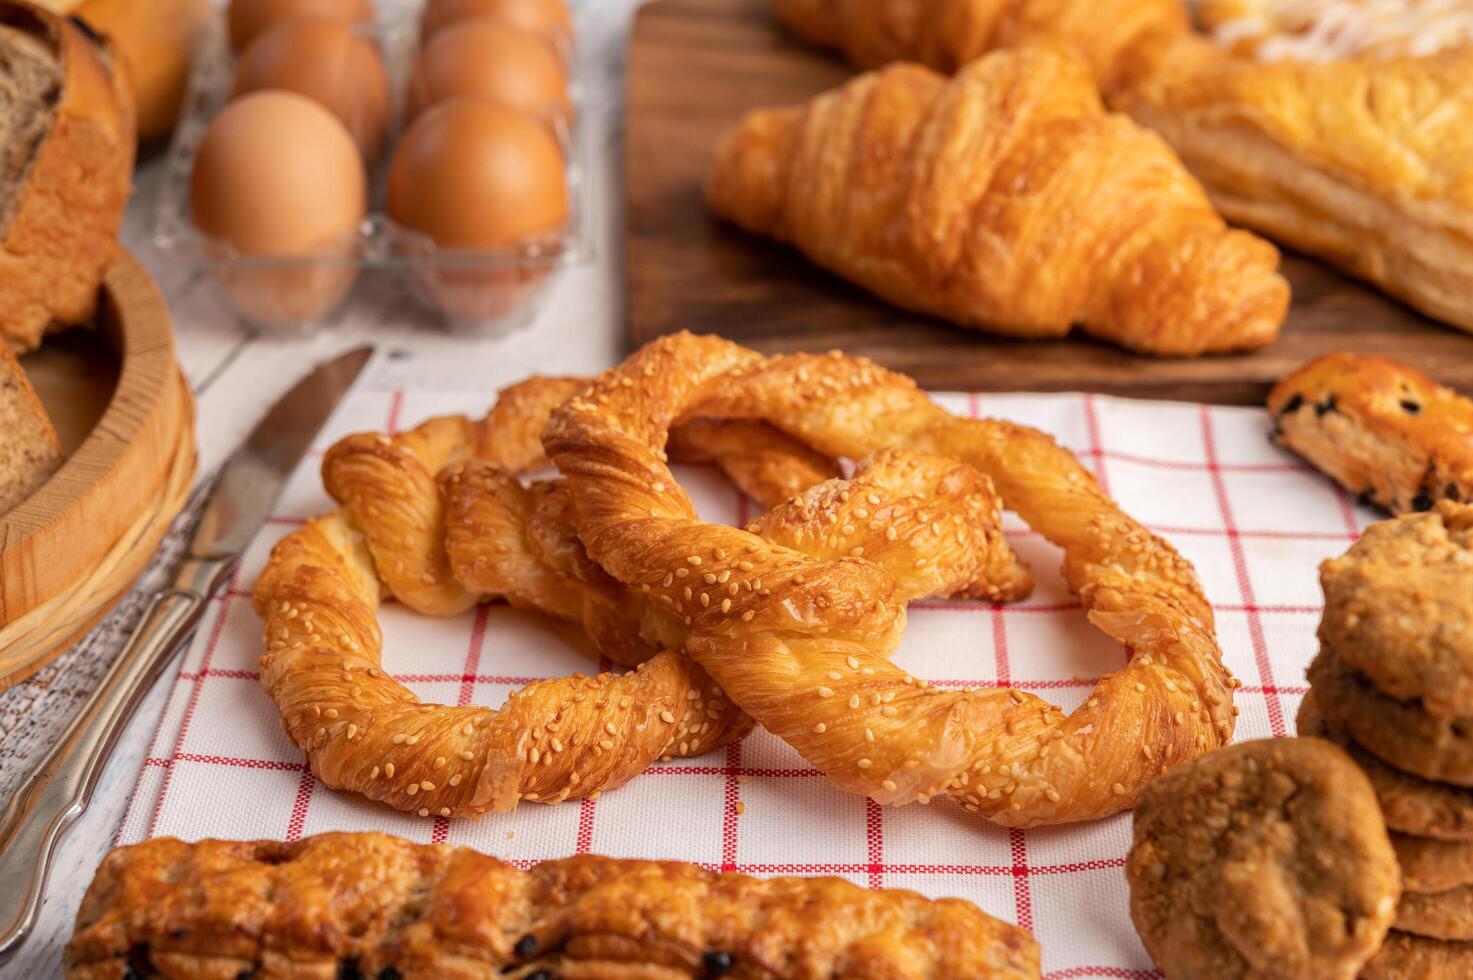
(59, 790)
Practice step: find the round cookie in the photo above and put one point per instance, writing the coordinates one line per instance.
(1399, 608)
(1412, 805)
(1267, 859)
(1407, 957)
(1446, 915)
(1431, 866)
(1400, 732)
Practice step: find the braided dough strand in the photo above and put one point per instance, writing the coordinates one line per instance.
(802, 652)
(428, 518)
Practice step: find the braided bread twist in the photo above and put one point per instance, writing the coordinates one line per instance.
(437, 518)
(800, 646)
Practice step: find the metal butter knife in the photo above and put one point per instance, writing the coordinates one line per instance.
(61, 787)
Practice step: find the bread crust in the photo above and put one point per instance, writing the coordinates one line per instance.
(62, 234)
(29, 449)
(371, 905)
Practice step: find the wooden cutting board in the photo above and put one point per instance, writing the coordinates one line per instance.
(695, 66)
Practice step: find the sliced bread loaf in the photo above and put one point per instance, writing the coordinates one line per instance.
(29, 451)
(66, 168)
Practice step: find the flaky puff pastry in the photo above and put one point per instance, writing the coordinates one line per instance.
(947, 34)
(434, 518)
(371, 905)
(1007, 200)
(1367, 164)
(801, 645)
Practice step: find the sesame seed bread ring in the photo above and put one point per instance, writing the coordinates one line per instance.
(434, 518)
(804, 655)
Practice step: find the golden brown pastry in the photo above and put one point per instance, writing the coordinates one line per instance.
(423, 520)
(1267, 860)
(1361, 163)
(800, 644)
(371, 905)
(1327, 30)
(1007, 200)
(1382, 430)
(947, 34)
(66, 173)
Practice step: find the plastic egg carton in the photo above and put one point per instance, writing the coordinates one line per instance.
(480, 292)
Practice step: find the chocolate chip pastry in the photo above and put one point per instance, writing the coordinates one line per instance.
(1384, 431)
(1393, 685)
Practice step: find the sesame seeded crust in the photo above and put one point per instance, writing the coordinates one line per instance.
(875, 729)
(1268, 860)
(1399, 608)
(371, 905)
(1399, 732)
(436, 518)
(1412, 805)
(1404, 956)
(1384, 431)
(1442, 915)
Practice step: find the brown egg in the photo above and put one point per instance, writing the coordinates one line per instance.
(328, 61)
(247, 18)
(548, 17)
(473, 174)
(277, 175)
(483, 58)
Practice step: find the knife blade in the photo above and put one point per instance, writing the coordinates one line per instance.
(58, 791)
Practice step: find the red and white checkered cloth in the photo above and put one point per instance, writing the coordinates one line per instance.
(1253, 520)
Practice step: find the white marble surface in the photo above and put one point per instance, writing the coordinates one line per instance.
(235, 376)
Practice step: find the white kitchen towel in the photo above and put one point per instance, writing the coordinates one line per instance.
(1254, 521)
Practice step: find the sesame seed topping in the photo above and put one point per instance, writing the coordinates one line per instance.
(820, 728)
(864, 763)
(825, 692)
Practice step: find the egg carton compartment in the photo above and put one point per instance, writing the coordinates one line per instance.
(485, 292)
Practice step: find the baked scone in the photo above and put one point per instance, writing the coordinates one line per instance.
(1411, 805)
(1384, 431)
(1404, 956)
(65, 173)
(947, 34)
(1399, 732)
(1327, 30)
(1361, 163)
(1004, 199)
(371, 905)
(29, 450)
(1265, 859)
(1399, 608)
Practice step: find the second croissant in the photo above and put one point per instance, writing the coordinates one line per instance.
(1004, 199)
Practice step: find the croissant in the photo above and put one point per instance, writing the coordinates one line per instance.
(1005, 199)
(800, 645)
(433, 518)
(371, 905)
(947, 34)
(1363, 163)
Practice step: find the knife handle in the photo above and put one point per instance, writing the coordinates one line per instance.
(59, 790)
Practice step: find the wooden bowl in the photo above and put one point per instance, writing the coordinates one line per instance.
(125, 416)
